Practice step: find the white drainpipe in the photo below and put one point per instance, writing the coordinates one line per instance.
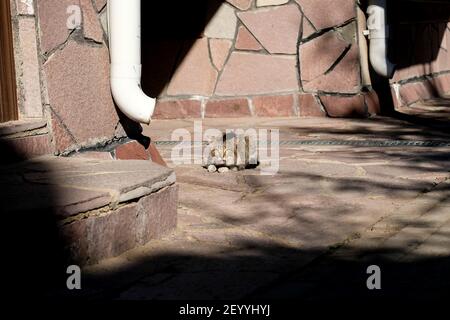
(378, 34)
(124, 26)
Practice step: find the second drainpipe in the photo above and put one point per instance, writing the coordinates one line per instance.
(379, 34)
(124, 27)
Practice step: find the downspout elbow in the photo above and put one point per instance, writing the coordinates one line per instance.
(132, 101)
(379, 58)
(379, 35)
(124, 26)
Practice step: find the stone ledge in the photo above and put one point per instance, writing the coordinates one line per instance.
(21, 128)
(128, 150)
(98, 209)
(97, 237)
(18, 149)
(422, 89)
(70, 186)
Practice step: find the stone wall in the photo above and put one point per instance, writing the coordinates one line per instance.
(421, 51)
(75, 73)
(63, 84)
(249, 58)
(270, 58)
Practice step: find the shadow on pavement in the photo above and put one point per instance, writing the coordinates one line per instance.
(34, 259)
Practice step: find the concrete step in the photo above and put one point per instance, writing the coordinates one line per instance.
(85, 210)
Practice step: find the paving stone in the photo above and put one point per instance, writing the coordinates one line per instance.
(229, 182)
(438, 244)
(182, 286)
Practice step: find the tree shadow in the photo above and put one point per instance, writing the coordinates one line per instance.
(255, 270)
(168, 37)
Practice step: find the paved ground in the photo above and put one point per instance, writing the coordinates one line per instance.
(308, 232)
